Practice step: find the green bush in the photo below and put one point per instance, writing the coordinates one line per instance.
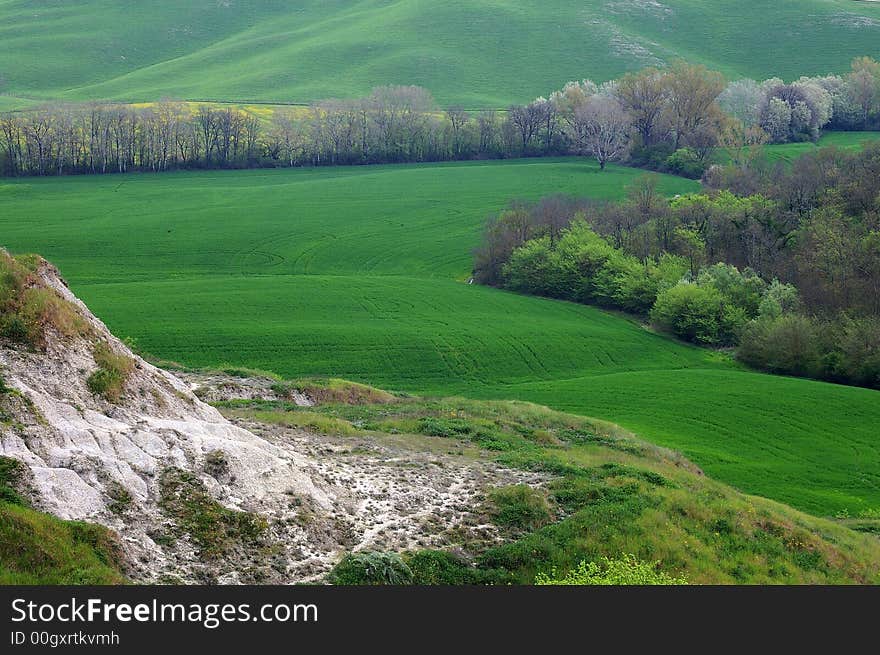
(444, 427)
(685, 162)
(786, 344)
(520, 507)
(438, 567)
(857, 342)
(690, 311)
(743, 289)
(537, 268)
(371, 569)
(624, 571)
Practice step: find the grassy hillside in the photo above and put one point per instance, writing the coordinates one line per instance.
(359, 273)
(484, 53)
(39, 549)
(788, 152)
(608, 493)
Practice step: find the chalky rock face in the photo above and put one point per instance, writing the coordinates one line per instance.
(82, 449)
(316, 496)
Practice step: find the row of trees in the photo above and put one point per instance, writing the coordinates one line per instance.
(666, 119)
(789, 273)
(797, 111)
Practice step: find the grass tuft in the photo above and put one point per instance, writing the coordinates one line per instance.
(113, 372)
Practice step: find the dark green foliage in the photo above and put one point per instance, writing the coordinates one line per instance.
(582, 266)
(842, 349)
(685, 162)
(785, 344)
(120, 498)
(520, 507)
(437, 567)
(371, 569)
(580, 437)
(444, 427)
(12, 472)
(39, 549)
(692, 312)
(651, 157)
(440, 427)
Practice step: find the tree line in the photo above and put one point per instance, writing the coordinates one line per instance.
(669, 119)
(788, 273)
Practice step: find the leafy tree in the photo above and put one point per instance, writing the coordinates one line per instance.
(690, 311)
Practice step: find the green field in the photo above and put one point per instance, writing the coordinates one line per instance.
(480, 53)
(360, 273)
(846, 140)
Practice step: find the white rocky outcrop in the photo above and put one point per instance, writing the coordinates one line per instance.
(320, 497)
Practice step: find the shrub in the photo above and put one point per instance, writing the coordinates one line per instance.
(537, 268)
(779, 299)
(520, 507)
(371, 569)
(444, 427)
(690, 311)
(858, 344)
(744, 289)
(787, 344)
(652, 157)
(685, 162)
(624, 571)
(437, 567)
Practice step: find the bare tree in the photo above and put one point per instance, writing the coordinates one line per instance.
(645, 96)
(603, 129)
(458, 118)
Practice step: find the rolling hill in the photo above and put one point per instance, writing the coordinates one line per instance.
(360, 273)
(487, 53)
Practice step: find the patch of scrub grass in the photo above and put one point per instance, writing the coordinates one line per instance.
(121, 499)
(437, 567)
(293, 417)
(113, 372)
(373, 568)
(39, 549)
(28, 308)
(610, 494)
(213, 528)
(520, 507)
(332, 390)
